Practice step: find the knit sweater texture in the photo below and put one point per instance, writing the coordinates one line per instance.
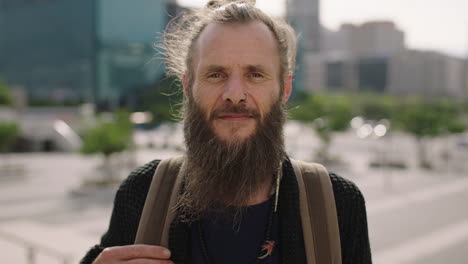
(350, 205)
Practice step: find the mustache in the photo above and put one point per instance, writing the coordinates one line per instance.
(234, 109)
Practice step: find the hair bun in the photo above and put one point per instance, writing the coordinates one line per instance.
(214, 4)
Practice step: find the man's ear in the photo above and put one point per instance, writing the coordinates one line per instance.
(185, 84)
(287, 88)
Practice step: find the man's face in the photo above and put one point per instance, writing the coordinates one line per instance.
(236, 78)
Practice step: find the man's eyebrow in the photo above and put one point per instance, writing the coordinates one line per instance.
(257, 67)
(220, 68)
(214, 68)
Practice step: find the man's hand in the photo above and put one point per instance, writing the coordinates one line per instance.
(134, 254)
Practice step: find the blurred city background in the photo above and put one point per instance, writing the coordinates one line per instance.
(380, 97)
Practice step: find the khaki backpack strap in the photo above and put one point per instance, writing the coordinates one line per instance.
(318, 213)
(158, 211)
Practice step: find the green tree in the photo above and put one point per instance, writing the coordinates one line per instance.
(374, 106)
(107, 138)
(8, 130)
(428, 119)
(163, 101)
(5, 95)
(328, 113)
(8, 134)
(464, 107)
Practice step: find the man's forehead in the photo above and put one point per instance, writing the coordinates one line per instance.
(251, 43)
(255, 30)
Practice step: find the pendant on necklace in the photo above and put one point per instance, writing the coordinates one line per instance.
(267, 249)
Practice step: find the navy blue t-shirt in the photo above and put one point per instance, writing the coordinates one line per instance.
(228, 243)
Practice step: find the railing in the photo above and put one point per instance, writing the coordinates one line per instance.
(32, 249)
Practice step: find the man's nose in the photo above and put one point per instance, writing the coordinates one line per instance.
(235, 91)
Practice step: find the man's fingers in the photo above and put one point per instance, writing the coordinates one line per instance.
(136, 252)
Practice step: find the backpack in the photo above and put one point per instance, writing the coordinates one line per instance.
(316, 201)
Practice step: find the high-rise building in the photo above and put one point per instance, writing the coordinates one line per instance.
(357, 57)
(86, 50)
(373, 57)
(126, 60)
(427, 73)
(409, 72)
(371, 39)
(47, 47)
(304, 16)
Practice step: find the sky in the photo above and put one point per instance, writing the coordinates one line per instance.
(440, 25)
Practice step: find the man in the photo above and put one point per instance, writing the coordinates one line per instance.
(236, 65)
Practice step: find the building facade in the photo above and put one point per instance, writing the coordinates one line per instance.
(372, 57)
(80, 51)
(304, 16)
(371, 39)
(47, 46)
(427, 73)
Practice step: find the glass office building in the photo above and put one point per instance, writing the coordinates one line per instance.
(80, 51)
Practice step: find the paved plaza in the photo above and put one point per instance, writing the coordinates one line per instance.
(415, 216)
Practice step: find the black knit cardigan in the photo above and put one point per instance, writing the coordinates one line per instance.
(350, 205)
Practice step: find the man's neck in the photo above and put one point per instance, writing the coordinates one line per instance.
(262, 195)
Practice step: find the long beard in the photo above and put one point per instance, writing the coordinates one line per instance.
(222, 176)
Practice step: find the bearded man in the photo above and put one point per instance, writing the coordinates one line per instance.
(239, 189)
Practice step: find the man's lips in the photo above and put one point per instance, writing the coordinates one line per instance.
(235, 117)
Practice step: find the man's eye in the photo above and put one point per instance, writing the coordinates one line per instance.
(215, 75)
(256, 75)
